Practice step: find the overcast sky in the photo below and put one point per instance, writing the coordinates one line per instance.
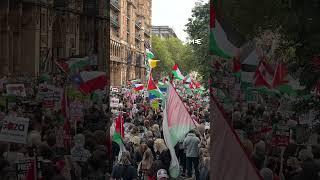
(173, 13)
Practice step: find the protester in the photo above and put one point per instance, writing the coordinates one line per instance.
(191, 145)
(124, 169)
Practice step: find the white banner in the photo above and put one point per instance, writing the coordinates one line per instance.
(114, 102)
(14, 129)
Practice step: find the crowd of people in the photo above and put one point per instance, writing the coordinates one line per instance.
(295, 158)
(59, 142)
(280, 142)
(146, 155)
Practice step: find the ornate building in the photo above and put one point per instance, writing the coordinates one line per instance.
(35, 33)
(163, 31)
(130, 34)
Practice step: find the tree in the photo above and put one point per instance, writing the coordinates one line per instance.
(170, 51)
(198, 28)
(297, 21)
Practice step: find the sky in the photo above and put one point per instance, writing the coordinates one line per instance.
(173, 13)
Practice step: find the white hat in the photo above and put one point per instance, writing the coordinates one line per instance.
(162, 173)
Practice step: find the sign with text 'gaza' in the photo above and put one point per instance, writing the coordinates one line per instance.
(14, 129)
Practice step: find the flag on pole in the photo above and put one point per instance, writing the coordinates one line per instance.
(118, 134)
(89, 81)
(187, 79)
(263, 75)
(152, 88)
(176, 124)
(74, 64)
(230, 160)
(176, 72)
(150, 55)
(219, 43)
(138, 87)
(153, 63)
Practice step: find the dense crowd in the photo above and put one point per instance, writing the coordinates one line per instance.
(280, 142)
(73, 147)
(146, 155)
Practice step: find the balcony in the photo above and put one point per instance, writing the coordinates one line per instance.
(147, 33)
(114, 21)
(115, 5)
(138, 24)
(138, 37)
(132, 2)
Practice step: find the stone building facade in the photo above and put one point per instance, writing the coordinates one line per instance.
(35, 33)
(130, 28)
(163, 31)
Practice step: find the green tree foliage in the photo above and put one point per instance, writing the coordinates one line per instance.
(198, 28)
(170, 51)
(297, 20)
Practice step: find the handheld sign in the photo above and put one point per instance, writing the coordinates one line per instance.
(114, 102)
(23, 166)
(281, 136)
(14, 129)
(116, 90)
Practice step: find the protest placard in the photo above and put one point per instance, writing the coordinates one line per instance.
(23, 166)
(281, 136)
(261, 129)
(14, 129)
(114, 102)
(16, 90)
(76, 110)
(50, 96)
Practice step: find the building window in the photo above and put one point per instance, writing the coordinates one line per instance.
(43, 21)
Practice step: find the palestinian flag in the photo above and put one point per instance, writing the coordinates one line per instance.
(176, 72)
(219, 42)
(187, 79)
(89, 81)
(153, 89)
(176, 124)
(138, 87)
(150, 55)
(74, 64)
(263, 75)
(118, 135)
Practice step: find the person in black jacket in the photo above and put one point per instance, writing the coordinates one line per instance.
(309, 167)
